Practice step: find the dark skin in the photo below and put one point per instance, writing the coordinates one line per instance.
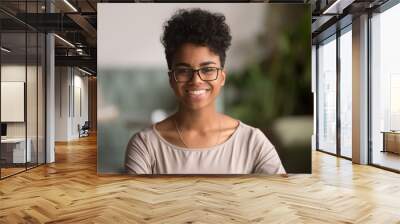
(200, 124)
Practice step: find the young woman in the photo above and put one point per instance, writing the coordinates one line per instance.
(197, 139)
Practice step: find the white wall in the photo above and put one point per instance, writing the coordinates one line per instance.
(69, 79)
(33, 126)
(12, 100)
(11, 73)
(80, 83)
(125, 27)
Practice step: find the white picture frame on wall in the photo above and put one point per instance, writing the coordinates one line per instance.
(12, 101)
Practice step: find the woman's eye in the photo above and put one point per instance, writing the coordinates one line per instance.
(183, 71)
(207, 70)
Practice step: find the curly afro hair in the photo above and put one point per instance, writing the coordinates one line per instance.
(198, 27)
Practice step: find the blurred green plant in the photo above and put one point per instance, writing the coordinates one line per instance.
(279, 83)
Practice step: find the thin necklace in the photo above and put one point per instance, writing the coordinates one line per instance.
(181, 138)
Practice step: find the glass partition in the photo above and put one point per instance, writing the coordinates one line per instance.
(385, 89)
(22, 90)
(31, 100)
(346, 92)
(327, 95)
(41, 109)
(14, 153)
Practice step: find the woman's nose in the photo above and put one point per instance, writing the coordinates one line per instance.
(196, 77)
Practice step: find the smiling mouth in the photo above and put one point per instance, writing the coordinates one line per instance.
(197, 92)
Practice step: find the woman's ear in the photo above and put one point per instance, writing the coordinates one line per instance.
(223, 75)
(170, 79)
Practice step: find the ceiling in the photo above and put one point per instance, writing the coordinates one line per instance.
(76, 22)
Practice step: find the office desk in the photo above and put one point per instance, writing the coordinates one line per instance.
(13, 150)
(391, 141)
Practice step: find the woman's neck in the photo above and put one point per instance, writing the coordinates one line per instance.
(201, 120)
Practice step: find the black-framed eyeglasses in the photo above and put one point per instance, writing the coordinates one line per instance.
(186, 74)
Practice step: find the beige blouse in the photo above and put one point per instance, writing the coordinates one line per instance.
(246, 151)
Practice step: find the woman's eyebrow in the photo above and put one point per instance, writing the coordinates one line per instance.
(207, 63)
(182, 64)
(188, 65)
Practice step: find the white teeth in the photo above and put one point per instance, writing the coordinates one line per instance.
(197, 92)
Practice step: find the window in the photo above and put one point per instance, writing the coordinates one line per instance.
(345, 92)
(385, 88)
(327, 95)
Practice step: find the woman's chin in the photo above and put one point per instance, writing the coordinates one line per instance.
(196, 104)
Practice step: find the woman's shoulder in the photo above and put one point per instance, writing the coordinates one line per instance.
(153, 131)
(249, 129)
(143, 134)
(241, 127)
(251, 133)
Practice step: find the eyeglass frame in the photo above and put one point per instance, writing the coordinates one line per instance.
(198, 73)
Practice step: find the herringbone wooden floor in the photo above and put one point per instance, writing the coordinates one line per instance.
(69, 191)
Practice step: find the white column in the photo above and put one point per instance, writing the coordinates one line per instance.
(50, 92)
(360, 90)
(50, 99)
